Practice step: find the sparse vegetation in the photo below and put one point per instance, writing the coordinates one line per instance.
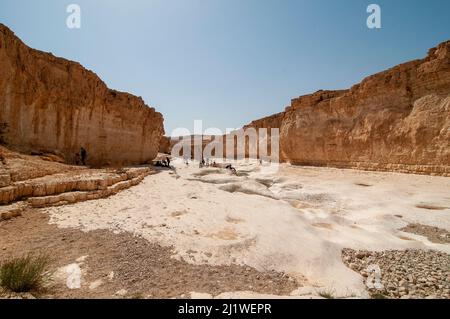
(326, 293)
(138, 295)
(24, 274)
(351, 295)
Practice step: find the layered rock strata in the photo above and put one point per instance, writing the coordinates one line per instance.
(396, 120)
(68, 188)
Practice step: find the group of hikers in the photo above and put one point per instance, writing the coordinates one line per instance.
(164, 163)
(208, 163)
(80, 158)
(232, 169)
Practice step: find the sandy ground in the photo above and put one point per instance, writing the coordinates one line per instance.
(101, 264)
(294, 220)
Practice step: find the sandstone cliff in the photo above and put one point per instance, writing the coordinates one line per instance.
(165, 145)
(50, 104)
(273, 121)
(397, 120)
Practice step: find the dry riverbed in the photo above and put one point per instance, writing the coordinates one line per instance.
(196, 232)
(124, 266)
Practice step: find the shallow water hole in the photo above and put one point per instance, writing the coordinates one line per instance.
(363, 185)
(431, 207)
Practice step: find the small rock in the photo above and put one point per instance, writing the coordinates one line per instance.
(121, 292)
(94, 285)
(361, 255)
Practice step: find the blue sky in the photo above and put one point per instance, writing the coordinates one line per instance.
(228, 62)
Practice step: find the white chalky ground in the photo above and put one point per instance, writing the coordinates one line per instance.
(295, 220)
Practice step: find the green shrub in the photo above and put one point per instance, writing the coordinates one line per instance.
(327, 293)
(24, 274)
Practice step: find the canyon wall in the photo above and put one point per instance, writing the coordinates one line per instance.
(49, 104)
(165, 145)
(397, 120)
(269, 122)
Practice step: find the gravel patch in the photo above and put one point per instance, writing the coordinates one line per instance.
(434, 234)
(404, 274)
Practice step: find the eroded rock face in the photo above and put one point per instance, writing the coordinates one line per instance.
(61, 189)
(269, 122)
(5, 177)
(165, 145)
(397, 120)
(54, 105)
